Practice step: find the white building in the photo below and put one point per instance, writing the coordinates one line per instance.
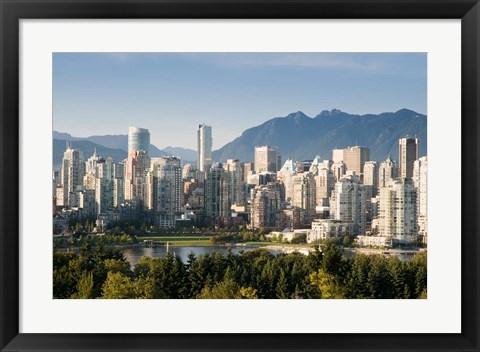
(325, 183)
(138, 139)
(398, 211)
(420, 180)
(204, 147)
(285, 175)
(374, 241)
(349, 203)
(387, 171)
(266, 159)
(287, 235)
(370, 175)
(72, 172)
(327, 229)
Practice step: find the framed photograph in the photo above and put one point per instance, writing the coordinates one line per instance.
(239, 176)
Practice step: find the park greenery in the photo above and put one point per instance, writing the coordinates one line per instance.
(99, 271)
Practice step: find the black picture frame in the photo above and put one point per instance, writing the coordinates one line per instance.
(11, 11)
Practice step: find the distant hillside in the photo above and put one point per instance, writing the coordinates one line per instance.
(188, 155)
(117, 142)
(87, 147)
(115, 146)
(301, 137)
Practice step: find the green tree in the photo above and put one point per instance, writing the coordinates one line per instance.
(118, 286)
(282, 288)
(84, 286)
(332, 260)
(248, 293)
(328, 285)
(118, 266)
(227, 289)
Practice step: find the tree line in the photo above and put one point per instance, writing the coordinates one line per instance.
(100, 272)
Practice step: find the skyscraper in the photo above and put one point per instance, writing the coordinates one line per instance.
(355, 158)
(138, 139)
(420, 179)
(204, 147)
(135, 172)
(234, 180)
(304, 195)
(166, 193)
(118, 173)
(266, 159)
(216, 198)
(387, 171)
(72, 172)
(370, 176)
(349, 203)
(325, 182)
(284, 176)
(266, 204)
(407, 154)
(398, 211)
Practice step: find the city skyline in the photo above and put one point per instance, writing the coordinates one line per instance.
(168, 91)
(346, 192)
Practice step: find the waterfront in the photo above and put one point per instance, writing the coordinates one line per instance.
(134, 253)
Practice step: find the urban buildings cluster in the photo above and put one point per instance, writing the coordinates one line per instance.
(380, 203)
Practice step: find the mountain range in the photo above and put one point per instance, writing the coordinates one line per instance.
(296, 135)
(115, 146)
(302, 137)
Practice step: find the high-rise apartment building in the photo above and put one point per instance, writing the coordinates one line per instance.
(265, 206)
(266, 159)
(165, 190)
(247, 170)
(407, 154)
(339, 169)
(325, 183)
(204, 147)
(103, 184)
(337, 155)
(103, 195)
(387, 171)
(118, 173)
(216, 197)
(135, 176)
(349, 203)
(285, 175)
(91, 163)
(370, 176)
(420, 180)
(234, 182)
(398, 211)
(138, 140)
(355, 158)
(303, 195)
(72, 172)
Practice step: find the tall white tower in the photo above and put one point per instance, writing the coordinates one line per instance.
(138, 139)
(398, 211)
(420, 180)
(204, 147)
(72, 172)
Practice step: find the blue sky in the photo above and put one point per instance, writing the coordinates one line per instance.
(171, 93)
